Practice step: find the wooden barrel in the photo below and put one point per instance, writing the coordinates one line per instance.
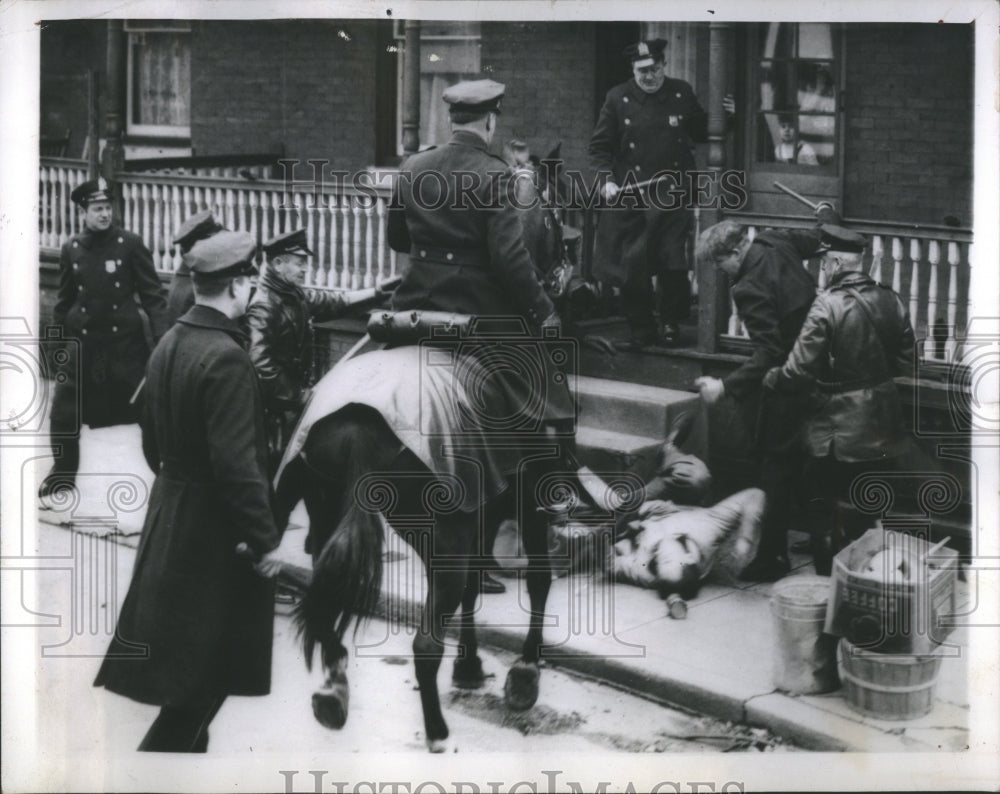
(888, 686)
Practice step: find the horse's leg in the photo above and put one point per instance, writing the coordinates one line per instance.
(445, 589)
(330, 701)
(468, 670)
(521, 686)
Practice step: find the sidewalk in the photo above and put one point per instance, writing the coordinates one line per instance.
(717, 661)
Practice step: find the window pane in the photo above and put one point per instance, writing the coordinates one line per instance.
(778, 85)
(816, 41)
(777, 40)
(161, 80)
(781, 140)
(816, 89)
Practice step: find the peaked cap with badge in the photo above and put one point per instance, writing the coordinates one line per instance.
(89, 192)
(293, 242)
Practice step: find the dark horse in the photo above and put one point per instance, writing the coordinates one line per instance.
(352, 465)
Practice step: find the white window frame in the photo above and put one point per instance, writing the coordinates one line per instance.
(135, 29)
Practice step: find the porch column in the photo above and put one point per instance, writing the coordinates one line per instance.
(411, 87)
(113, 158)
(712, 295)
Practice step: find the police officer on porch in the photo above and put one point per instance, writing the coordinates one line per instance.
(647, 126)
(102, 271)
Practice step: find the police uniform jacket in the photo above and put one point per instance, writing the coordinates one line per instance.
(100, 276)
(197, 620)
(467, 252)
(467, 255)
(772, 292)
(850, 360)
(180, 294)
(637, 136)
(281, 337)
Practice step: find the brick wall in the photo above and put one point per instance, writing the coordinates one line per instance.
(68, 50)
(549, 74)
(908, 142)
(308, 86)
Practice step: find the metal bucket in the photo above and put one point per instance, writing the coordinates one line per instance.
(805, 659)
(888, 686)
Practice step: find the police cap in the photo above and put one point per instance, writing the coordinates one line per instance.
(91, 191)
(837, 238)
(646, 53)
(223, 255)
(474, 97)
(293, 242)
(197, 227)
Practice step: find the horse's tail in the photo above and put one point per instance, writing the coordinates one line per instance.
(347, 571)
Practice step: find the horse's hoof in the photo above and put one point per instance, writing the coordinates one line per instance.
(468, 674)
(330, 706)
(438, 746)
(521, 688)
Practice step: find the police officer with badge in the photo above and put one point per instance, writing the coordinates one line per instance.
(102, 271)
(281, 335)
(197, 623)
(647, 129)
(452, 213)
(856, 338)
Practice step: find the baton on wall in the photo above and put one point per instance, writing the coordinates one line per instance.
(797, 196)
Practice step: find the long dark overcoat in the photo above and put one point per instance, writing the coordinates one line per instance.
(638, 136)
(100, 276)
(197, 620)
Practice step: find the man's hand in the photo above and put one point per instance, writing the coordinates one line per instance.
(771, 378)
(610, 189)
(825, 213)
(729, 104)
(269, 565)
(711, 389)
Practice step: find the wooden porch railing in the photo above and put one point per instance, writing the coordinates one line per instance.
(928, 266)
(344, 227)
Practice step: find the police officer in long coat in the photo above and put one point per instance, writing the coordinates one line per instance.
(102, 271)
(772, 292)
(648, 127)
(196, 624)
(856, 338)
(452, 214)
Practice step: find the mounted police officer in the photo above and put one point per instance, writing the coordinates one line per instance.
(280, 321)
(102, 271)
(772, 292)
(452, 212)
(856, 338)
(180, 295)
(197, 622)
(647, 128)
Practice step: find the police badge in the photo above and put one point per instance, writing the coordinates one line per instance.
(110, 265)
(674, 121)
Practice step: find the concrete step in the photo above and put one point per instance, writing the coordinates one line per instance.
(608, 452)
(629, 408)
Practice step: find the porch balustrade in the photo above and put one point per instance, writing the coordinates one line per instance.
(344, 227)
(928, 266)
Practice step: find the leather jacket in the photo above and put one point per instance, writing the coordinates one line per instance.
(281, 337)
(849, 357)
